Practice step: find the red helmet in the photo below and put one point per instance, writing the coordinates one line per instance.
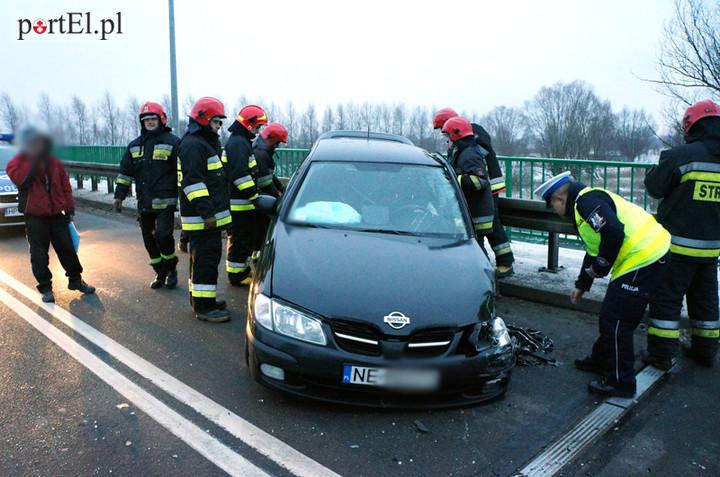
(274, 133)
(443, 115)
(153, 109)
(251, 116)
(457, 128)
(699, 110)
(207, 108)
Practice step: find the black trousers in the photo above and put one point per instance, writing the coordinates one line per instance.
(499, 240)
(205, 253)
(243, 238)
(696, 280)
(622, 310)
(43, 231)
(157, 233)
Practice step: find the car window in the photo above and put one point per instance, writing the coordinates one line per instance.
(6, 153)
(379, 197)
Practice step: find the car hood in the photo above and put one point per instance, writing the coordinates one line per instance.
(367, 276)
(6, 185)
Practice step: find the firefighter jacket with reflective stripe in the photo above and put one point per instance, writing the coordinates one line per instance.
(469, 164)
(495, 173)
(150, 161)
(687, 180)
(644, 241)
(267, 181)
(241, 169)
(203, 183)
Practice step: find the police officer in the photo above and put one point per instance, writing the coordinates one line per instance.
(151, 161)
(625, 241)
(242, 175)
(687, 180)
(468, 161)
(204, 205)
(497, 238)
(272, 136)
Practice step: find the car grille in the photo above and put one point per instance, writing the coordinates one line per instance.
(8, 198)
(355, 337)
(432, 342)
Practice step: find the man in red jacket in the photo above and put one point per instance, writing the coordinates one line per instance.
(46, 199)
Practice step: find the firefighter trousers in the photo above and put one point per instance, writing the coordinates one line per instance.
(205, 253)
(498, 239)
(157, 233)
(622, 310)
(697, 281)
(242, 241)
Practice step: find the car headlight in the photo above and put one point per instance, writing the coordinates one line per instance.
(499, 332)
(288, 321)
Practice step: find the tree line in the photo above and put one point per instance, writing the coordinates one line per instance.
(565, 120)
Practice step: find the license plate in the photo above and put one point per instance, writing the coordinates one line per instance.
(399, 379)
(12, 212)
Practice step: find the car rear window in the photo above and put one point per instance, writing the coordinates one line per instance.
(379, 197)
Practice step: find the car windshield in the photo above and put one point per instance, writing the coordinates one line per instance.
(6, 153)
(379, 197)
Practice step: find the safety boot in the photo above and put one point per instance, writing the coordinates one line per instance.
(602, 388)
(48, 296)
(160, 275)
(504, 271)
(692, 353)
(659, 362)
(213, 315)
(82, 287)
(171, 279)
(220, 305)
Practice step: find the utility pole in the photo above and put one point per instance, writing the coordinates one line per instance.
(173, 71)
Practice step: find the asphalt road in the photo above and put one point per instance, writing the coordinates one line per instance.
(59, 418)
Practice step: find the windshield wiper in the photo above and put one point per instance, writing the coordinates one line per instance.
(388, 231)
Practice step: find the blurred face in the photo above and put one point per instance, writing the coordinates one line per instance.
(215, 125)
(38, 147)
(558, 202)
(150, 123)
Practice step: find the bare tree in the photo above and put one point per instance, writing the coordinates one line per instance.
(10, 113)
(111, 118)
(635, 133)
(79, 113)
(328, 120)
(340, 118)
(290, 124)
(308, 127)
(507, 126)
(398, 119)
(689, 61)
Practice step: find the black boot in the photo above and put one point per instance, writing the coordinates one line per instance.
(81, 286)
(603, 388)
(692, 353)
(220, 305)
(48, 297)
(213, 316)
(172, 278)
(160, 275)
(659, 362)
(589, 365)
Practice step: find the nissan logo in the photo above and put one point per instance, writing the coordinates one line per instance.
(396, 320)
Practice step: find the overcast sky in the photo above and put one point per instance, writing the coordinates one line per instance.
(471, 55)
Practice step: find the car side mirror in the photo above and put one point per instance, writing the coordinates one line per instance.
(266, 204)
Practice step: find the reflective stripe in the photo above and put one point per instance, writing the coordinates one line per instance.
(699, 166)
(202, 291)
(244, 182)
(484, 218)
(168, 257)
(665, 324)
(660, 333)
(167, 147)
(706, 325)
(235, 267)
(193, 191)
(695, 243)
(706, 333)
(197, 223)
(502, 249)
(155, 261)
(700, 176)
(460, 180)
(163, 203)
(124, 179)
(476, 182)
(252, 163)
(136, 151)
(694, 252)
(223, 158)
(484, 226)
(498, 186)
(241, 205)
(214, 163)
(265, 180)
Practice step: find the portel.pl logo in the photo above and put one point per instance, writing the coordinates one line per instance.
(71, 23)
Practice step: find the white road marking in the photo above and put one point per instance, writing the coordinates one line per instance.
(267, 445)
(208, 446)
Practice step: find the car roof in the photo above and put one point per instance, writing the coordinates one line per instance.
(356, 146)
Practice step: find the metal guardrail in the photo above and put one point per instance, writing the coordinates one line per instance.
(524, 214)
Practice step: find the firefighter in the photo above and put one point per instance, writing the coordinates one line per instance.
(625, 241)
(150, 161)
(204, 205)
(497, 238)
(242, 174)
(272, 136)
(468, 161)
(687, 180)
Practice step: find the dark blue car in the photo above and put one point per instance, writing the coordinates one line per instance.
(371, 288)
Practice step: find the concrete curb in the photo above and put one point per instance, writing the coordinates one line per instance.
(548, 297)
